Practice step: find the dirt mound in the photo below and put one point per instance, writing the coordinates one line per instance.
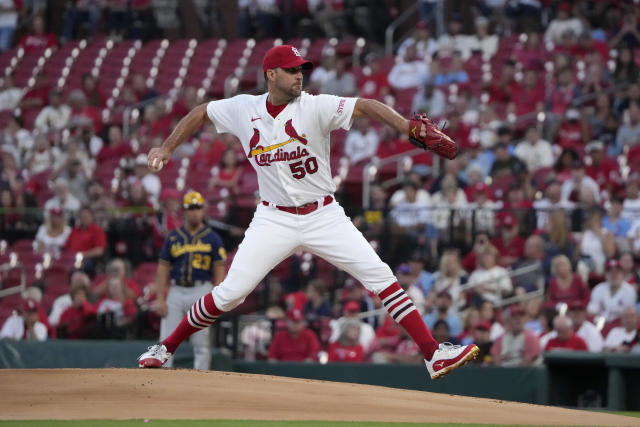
(66, 394)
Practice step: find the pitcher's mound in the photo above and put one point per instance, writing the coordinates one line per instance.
(64, 394)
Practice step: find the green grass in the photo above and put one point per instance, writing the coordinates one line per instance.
(625, 413)
(222, 423)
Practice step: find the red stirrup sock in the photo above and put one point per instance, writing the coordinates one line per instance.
(201, 315)
(403, 311)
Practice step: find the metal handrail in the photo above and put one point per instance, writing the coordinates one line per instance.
(388, 33)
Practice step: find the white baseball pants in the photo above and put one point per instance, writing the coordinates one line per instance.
(179, 301)
(273, 235)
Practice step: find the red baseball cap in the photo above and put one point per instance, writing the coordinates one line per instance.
(352, 307)
(613, 263)
(295, 314)
(284, 56)
(507, 219)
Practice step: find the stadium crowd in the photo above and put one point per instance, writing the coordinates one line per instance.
(528, 241)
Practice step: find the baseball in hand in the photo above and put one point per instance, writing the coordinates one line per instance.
(156, 165)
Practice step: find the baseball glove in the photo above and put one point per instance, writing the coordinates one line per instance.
(433, 140)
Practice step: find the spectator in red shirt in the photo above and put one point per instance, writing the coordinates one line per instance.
(116, 147)
(117, 268)
(91, 90)
(347, 348)
(563, 93)
(509, 243)
(501, 91)
(83, 114)
(228, 172)
(373, 83)
(39, 38)
(529, 96)
(87, 238)
(518, 346)
(565, 285)
(296, 342)
(76, 321)
(566, 338)
(574, 132)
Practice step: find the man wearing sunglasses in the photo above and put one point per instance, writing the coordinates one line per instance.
(192, 262)
(285, 134)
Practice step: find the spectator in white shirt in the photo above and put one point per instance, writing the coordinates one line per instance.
(493, 281)
(361, 142)
(54, 116)
(596, 243)
(449, 201)
(534, 151)
(623, 338)
(429, 99)
(53, 234)
(8, 22)
(482, 41)
(150, 181)
(425, 45)
(610, 298)
(579, 178)
(343, 83)
(454, 39)
(25, 326)
(583, 328)
(562, 23)
(323, 73)
(16, 136)
(552, 201)
(422, 196)
(43, 157)
(63, 199)
(411, 72)
(10, 95)
(631, 204)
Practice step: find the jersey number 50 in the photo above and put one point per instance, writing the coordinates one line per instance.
(299, 171)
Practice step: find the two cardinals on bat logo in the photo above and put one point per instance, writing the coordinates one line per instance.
(255, 149)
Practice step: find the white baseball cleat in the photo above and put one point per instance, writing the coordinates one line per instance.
(155, 356)
(449, 357)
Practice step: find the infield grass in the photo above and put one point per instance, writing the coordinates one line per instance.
(229, 423)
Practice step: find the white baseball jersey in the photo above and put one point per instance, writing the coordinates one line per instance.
(291, 152)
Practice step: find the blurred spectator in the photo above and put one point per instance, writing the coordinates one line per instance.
(563, 22)
(90, 142)
(296, 342)
(502, 90)
(491, 282)
(449, 205)
(77, 321)
(117, 268)
(562, 93)
(71, 168)
(140, 89)
(610, 298)
(317, 306)
(25, 326)
(453, 39)
(488, 314)
(347, 348)
(628, 33)
(564, 165)
(324, 72)
(170, 215)
(534, 258)
(574, 131)
(399, 348)
(421, 39)
(116, 312)
(552, 202)
(566, 338)
(579, 179)
(631, 204)
(101, 202)
(447, 71)
(624, 338)
(150, 181)
(628, 269)
(534, 151)
(442, 333)
(81, 19)
(331, 16)
(518, 346)
(54, 116)
(77, 279)
(352, 311)
(480, 245)
(63, 199)
(43, 157)
(92, 92)
(482, 41)
(444, 311)
(9, 95)
(8, 21)
(505, 163)
(565, 285)
(400, 196)
(603, 170)
(614, 222)
(627, 70)
(529, 94)
(411, 72)
(229, 172)
(629, 133)
(343, 83)
(88, 238)
(53, 234)
(373, 83)
(37, 96)
(584, 328)
(361, 142)
(83, 114)
(116, 147)
(39, 38)
(508, 242)
(597, 243)
(430, 100)
(450, 277)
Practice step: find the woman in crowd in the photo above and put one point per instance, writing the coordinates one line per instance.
(493, 281)
(228, 173)
(565, 285)
(449, 277)
(597, 244)
(347, 348)
(53, 234)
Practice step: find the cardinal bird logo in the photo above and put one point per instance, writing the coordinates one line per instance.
(253, 144)
(290, 130)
